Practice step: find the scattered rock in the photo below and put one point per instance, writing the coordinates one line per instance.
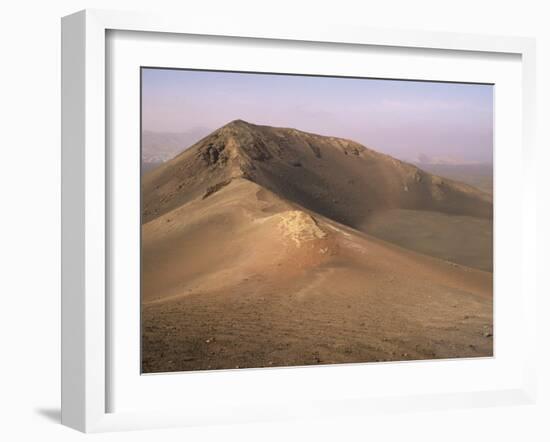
(300, 226)
(213, 189)
(259, 151)
(214, 154)
(315, 149)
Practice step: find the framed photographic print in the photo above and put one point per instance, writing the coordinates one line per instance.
(254, 251)
(262, 223)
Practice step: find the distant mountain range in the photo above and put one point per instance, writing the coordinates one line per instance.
(158, 147)
(446, 160)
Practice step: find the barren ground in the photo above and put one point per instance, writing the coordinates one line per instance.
(244, 278)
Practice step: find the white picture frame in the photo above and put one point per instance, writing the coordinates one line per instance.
(85, 209)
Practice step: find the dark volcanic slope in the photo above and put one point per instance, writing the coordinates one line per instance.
(335, 177)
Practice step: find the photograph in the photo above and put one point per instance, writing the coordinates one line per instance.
(293, 220)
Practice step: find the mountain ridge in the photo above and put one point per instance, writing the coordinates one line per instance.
(312, 170)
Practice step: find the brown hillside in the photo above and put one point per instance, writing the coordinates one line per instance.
(244, 278)
(337, 178)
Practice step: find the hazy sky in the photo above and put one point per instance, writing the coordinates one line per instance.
(402, 118)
